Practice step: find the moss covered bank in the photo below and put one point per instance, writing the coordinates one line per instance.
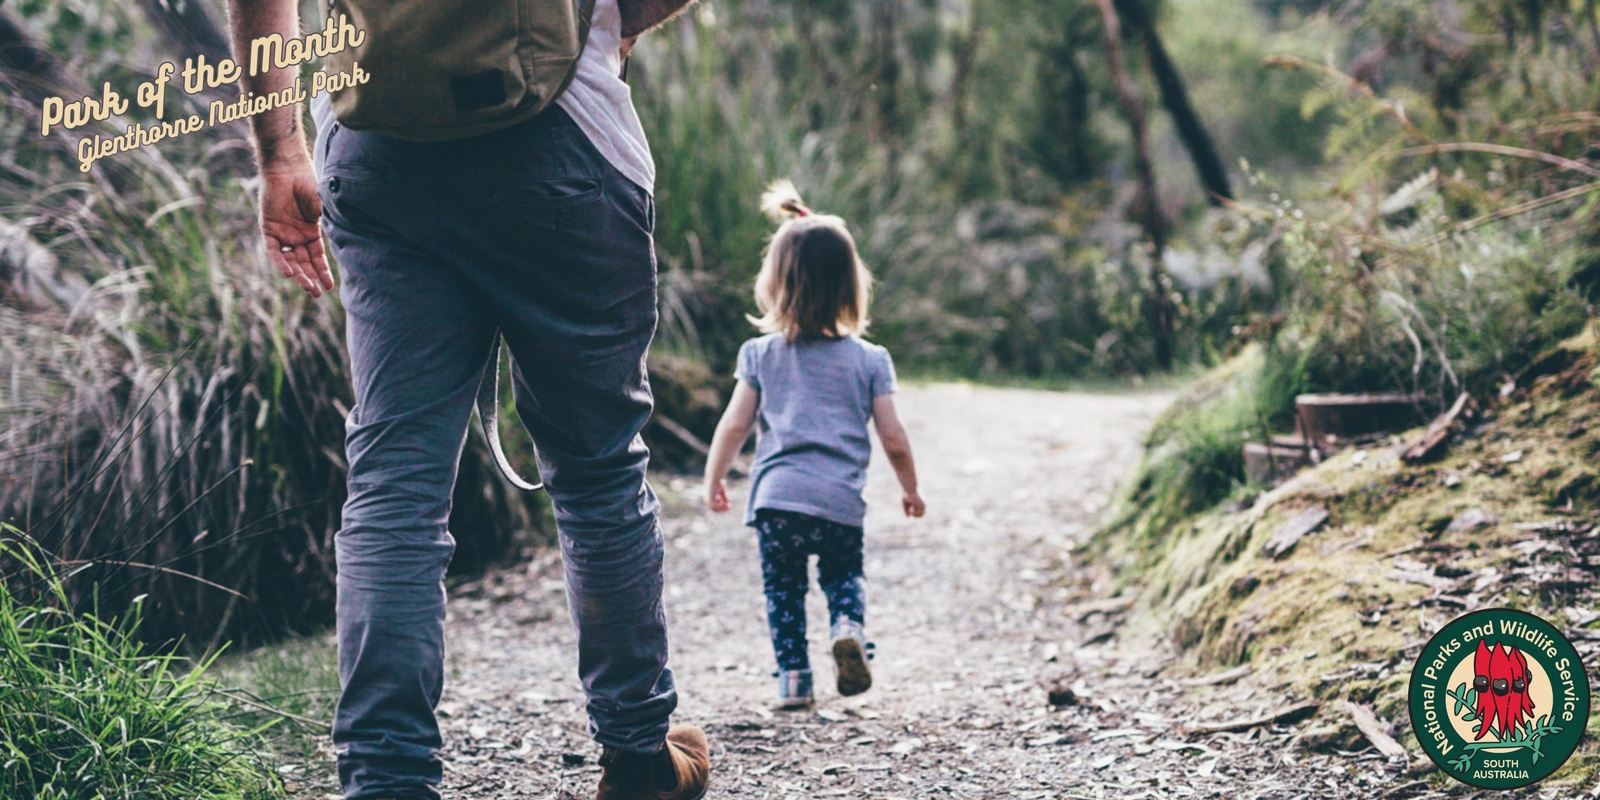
(1505, 516)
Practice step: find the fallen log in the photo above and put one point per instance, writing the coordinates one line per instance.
(1285, 715)
(695, 443)
(1367, 723)
(1293, 530)
(1219, 678)
(1108, 606)
(682, 434)
(1327, 422)
(1436, 435)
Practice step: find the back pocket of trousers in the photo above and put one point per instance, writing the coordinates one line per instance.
(552, 193)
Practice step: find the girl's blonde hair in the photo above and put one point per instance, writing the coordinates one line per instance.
(812, 281)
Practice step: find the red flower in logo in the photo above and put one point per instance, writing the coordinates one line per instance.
(1500, 676)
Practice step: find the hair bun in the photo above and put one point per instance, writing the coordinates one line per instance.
(781, 201)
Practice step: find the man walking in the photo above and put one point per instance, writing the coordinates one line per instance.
(541, 233)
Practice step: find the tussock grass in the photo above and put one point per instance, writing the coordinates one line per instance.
(172, 411)
(87, 712)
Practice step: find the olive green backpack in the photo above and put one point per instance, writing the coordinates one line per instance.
(441, 70)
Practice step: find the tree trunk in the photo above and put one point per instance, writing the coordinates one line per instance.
(1158, 306)
(1175, 97)
(966, 58)
(884, 67)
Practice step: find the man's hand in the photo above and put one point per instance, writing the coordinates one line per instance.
(289, 204)
(912, 504)
(290, 210)
(717, 496)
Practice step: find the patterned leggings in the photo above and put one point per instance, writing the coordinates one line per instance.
(788, 540)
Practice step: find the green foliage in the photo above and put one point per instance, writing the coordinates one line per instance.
(1457, 241)
(1464, 314)
(976, 153)
(1193, 454)
(1466, 700)
(86, 713)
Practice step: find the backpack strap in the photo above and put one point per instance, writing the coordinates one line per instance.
(489, 417)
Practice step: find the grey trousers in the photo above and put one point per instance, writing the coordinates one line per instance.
(528, 231)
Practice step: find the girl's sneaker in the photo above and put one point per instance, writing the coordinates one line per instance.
(850, 658)
(794, 690)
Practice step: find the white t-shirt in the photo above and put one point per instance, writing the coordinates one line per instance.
(602, 104)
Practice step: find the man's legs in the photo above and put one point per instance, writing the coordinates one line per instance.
(558, 243)
(418, 343)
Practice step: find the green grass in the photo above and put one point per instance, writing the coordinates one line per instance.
(296, 682)
(88, 713)
(1193, 456)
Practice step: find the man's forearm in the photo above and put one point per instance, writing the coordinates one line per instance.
(278, 135)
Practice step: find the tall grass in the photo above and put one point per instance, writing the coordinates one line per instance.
(87, 712)
(173, 412)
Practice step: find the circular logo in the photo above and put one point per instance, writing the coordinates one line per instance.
(1499, 698)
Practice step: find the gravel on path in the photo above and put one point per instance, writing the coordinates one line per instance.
(976, 610)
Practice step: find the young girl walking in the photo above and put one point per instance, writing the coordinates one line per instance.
(810, 386)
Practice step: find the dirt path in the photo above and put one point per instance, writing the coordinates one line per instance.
(970, 607)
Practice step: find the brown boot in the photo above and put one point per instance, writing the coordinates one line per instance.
(678, 771)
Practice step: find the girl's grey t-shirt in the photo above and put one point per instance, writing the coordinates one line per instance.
(812, 445)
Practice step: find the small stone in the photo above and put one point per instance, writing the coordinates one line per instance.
(1243, 586)
(1470, 520)
(1062, 695)
(1421, 766)
(572, 759)
(906, 747)
(1328, 738)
